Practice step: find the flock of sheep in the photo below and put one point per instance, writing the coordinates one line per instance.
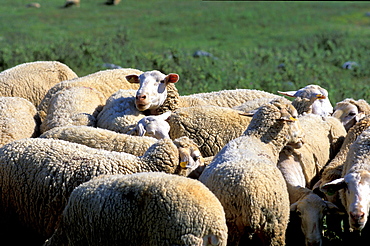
(71, 3)
(119, 157)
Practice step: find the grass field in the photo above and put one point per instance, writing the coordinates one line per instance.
(260, 45)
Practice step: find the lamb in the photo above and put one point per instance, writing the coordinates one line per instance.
(354, 185)
(37, 175)
(310, 207)
(18, 119)
(112, 2)
(77, 105)
(106, 81)
(245, 178)
(210, 127)
(350, 111)
(32, 80)
(321, 104)
(101, 139)
(33, 5)
(153, 126)
(174, 210)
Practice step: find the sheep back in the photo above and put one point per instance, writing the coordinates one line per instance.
(76, 105)
(32, 80)
(142, 209)
(106, 81)
(18, 119)
(119, 113)
(210, 127)
(101, 139)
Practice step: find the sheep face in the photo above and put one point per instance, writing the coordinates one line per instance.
(311, 211)
(295, 133)
(190, 157)
(152, 91)
(348, 113)
(355, 196)
(153, 126)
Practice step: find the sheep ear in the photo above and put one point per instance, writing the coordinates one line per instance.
(333, 186)
(172, 78)
(138, 130)
(288, 93)
(293, 207)
(332, 208)
(133, 78)
(249, 114)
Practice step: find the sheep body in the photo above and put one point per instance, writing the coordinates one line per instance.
(75, 105)
(37, 175)
(18, 119)
(32, 80)
(210, 127)
(119, 113)
(246, 180)
(174, 211)
(101, 139)
(106, 81)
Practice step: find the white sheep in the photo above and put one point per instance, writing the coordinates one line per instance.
(18, 119)
(153, 126)
(37, 175)
(350, 111)
(141, 209)
(321, 104)
(106, 81)
(77, 105)
(245, 178)
(101, 139)
(354, 184)
(32, 80)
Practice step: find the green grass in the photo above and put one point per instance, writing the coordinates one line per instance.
(250, 40)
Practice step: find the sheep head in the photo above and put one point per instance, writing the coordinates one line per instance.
(277, 122)
(349, 111)
(317, 95)
(311, 210)
(153, 126)
(153, 89)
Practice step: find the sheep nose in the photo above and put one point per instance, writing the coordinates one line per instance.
(316, 243)
(140, 97)
(357, 215)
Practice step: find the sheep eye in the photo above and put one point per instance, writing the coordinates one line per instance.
(352, 114)
(195, 158)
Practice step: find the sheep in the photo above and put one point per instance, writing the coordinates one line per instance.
(106, 81)
(18, 119)
(77, 105)
(162, 97)
(101, 139)
(33, 5)
(32, 80)
(153, 126)
(37, 175)
(245, 178)
(321, 104)
(350, 111)
(310, 207)
(354, 185)
(70, 3)
(141, 209)
(210, 127)
(112, 2)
